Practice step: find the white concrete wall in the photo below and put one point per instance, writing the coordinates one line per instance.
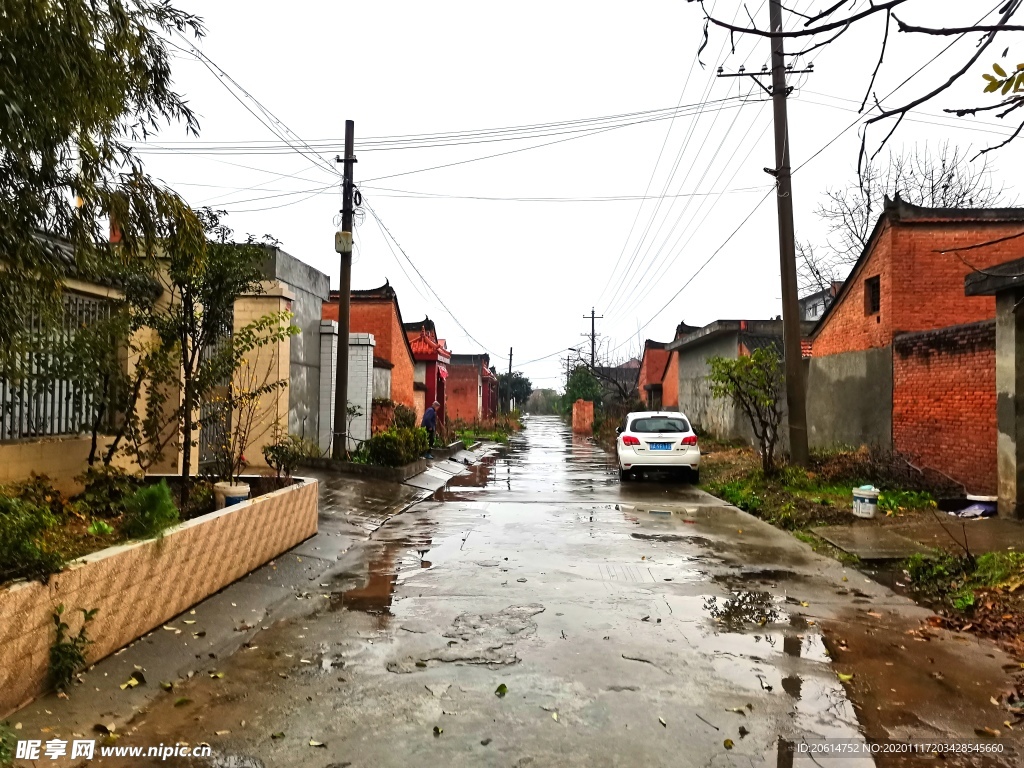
(382, 383)
(360, 383)
(328, 371)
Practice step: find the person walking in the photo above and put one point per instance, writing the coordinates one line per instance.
(430, 423)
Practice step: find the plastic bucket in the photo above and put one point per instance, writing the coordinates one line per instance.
(865, 502)
(227, 494)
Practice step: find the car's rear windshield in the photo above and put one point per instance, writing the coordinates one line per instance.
(660, 424)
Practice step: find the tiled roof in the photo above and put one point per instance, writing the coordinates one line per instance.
(385, 292)
(426, 324)
(423, 346)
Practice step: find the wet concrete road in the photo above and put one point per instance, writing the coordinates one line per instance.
(638, 624)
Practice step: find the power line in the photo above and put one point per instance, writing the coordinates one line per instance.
(654, 170)
(812, 157)
(919, 70)
(420, 274)
(402, 193)
(594, 132)
(699, 269)
(630, 279)
(222, 75)
(465, 138)
(661, 255)
(633, 265)
(676, 248)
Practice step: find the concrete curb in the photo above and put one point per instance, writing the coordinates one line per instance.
(387, 474)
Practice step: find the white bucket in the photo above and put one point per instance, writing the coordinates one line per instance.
(225, 494)
(865, 502)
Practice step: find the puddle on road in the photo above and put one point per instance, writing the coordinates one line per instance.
(743, 609)
(392, 561)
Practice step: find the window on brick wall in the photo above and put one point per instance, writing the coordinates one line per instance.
(872, 295)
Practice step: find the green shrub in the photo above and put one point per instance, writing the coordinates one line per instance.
(397, 447)
(994, 569)
(22, 553)
(67, 654)
(286, 454)
(105, 492)
(8, 742)
(99, 528)
(149, 511)
(892, 502)
(405, 417)
(200, 500)
(38, 491)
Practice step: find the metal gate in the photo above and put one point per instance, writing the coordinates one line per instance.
(214, 415)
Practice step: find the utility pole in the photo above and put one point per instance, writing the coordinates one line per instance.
(343, 245)
(510, 379)
(593, 335)
(796, 394)
(568, 366)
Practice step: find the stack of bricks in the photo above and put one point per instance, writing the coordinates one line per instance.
(583, 417)
(944, 402)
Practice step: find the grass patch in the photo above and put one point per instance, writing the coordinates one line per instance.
(956, 581)
(795, 498)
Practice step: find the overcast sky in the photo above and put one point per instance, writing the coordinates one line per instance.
(522, 273)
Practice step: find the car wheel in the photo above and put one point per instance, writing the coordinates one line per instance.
(695, 476)
(624, 475)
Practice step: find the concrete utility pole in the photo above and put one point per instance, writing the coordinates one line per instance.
(796, 393)
(593, 335)
(510, 405)
(343, 245)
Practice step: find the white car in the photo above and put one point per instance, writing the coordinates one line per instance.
(657, 440)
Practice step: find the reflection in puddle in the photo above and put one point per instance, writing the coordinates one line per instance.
(792, 685)
(743, 608)
(413, 552)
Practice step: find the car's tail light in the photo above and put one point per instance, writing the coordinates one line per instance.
(691, 440)
(630, 440)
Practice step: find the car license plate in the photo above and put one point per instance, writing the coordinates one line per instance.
(660, 446)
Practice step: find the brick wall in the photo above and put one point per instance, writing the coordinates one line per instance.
(651, 368)
(670, 384)
(463, 392)
(847, 328)
(380, 319)
(582, 417)
(922, 288)
(944, 402)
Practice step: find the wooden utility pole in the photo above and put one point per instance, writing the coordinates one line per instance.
(796, 393)
(343, 245)
(510, 379)
(593, 335)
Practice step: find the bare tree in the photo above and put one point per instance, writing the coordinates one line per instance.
(829, 20)
(817, 268)
(946, 178)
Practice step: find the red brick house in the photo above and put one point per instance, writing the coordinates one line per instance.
(376, 311)
(431, 371)
(472, 388)
(652, 370)
(670, 374)
(902, 358)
